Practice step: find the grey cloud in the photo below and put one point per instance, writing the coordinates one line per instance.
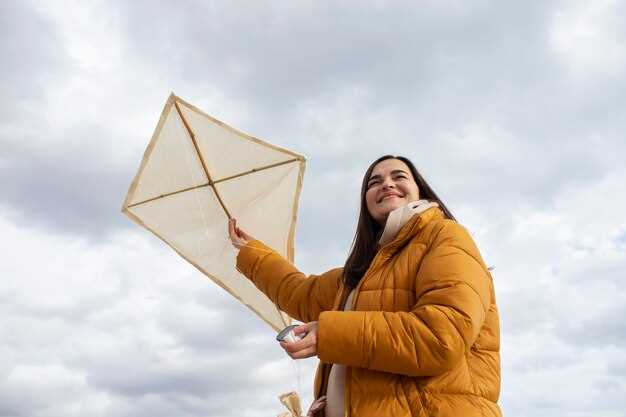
(473, 92)
(204, 323)
(415, 83)
(209, 363)
(288, 54)
(602, 327)
(617, 367)
(133, 379)
(33, 56)
(70, 187)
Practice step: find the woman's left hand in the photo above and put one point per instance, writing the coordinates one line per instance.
(317, 405)
(306, 347)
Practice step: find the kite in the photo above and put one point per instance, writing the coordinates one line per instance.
(196, 174)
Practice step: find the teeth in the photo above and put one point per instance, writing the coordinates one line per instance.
(390, 195)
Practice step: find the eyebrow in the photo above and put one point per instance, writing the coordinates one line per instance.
(395, 171)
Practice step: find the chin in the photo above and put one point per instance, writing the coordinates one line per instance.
(385, 213)
(393, 204)
(386, 207)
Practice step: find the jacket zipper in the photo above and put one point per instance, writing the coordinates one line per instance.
(373, 267)
(325, 368)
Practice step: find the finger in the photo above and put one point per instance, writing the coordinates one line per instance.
(231, 229)
(287, 347)
(243, 234)
(309, 339)
(291, 347)
(315, 409)
(304, 353)
(317, 406)
(304, 328)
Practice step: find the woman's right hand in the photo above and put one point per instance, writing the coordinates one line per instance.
(238, 237)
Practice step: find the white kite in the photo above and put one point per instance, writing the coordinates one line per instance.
(196, 174)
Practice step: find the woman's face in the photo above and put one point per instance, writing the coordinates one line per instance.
(391, 185)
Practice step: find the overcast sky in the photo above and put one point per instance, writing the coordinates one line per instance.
(514, 111)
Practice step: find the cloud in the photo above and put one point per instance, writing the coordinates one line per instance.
(466, 91)
(32, 58)
(512, 111)
(589, 38)
(111, 333)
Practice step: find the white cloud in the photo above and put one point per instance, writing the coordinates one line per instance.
(513, 111)
(123, 328)
(589, 37)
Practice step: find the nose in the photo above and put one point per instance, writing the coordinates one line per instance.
(388, 183)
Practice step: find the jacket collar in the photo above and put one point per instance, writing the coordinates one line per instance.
(400, 216)
(411, 228)
(406, 233)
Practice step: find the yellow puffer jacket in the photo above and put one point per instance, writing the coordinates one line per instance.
(423, 339)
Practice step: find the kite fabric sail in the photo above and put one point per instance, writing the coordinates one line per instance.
(196, 174)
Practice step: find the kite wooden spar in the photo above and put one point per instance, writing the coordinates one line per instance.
(198, 172)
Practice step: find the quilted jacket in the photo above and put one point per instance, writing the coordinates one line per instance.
(423, 336)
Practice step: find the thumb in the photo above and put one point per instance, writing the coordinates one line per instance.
(301, 330)
(304, 329)
(245, 235)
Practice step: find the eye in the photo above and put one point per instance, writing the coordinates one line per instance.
(372, 183)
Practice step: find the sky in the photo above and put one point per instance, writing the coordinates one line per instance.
(513, 111)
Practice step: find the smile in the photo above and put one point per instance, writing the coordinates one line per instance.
(386, 196)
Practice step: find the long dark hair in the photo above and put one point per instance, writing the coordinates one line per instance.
(365, 243)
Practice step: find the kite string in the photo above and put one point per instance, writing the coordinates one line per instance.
(295, 364)
(298, 377)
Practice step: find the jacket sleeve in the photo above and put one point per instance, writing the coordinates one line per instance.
(302, 297)
(452, 299)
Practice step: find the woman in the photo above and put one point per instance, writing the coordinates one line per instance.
(409, 325)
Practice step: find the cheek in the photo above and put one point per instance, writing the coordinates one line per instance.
(369, 199)
(414, 191)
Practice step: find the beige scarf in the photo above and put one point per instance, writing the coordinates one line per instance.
(400, 216)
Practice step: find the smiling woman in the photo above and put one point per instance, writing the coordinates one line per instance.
(391, 185)
(409, 326)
